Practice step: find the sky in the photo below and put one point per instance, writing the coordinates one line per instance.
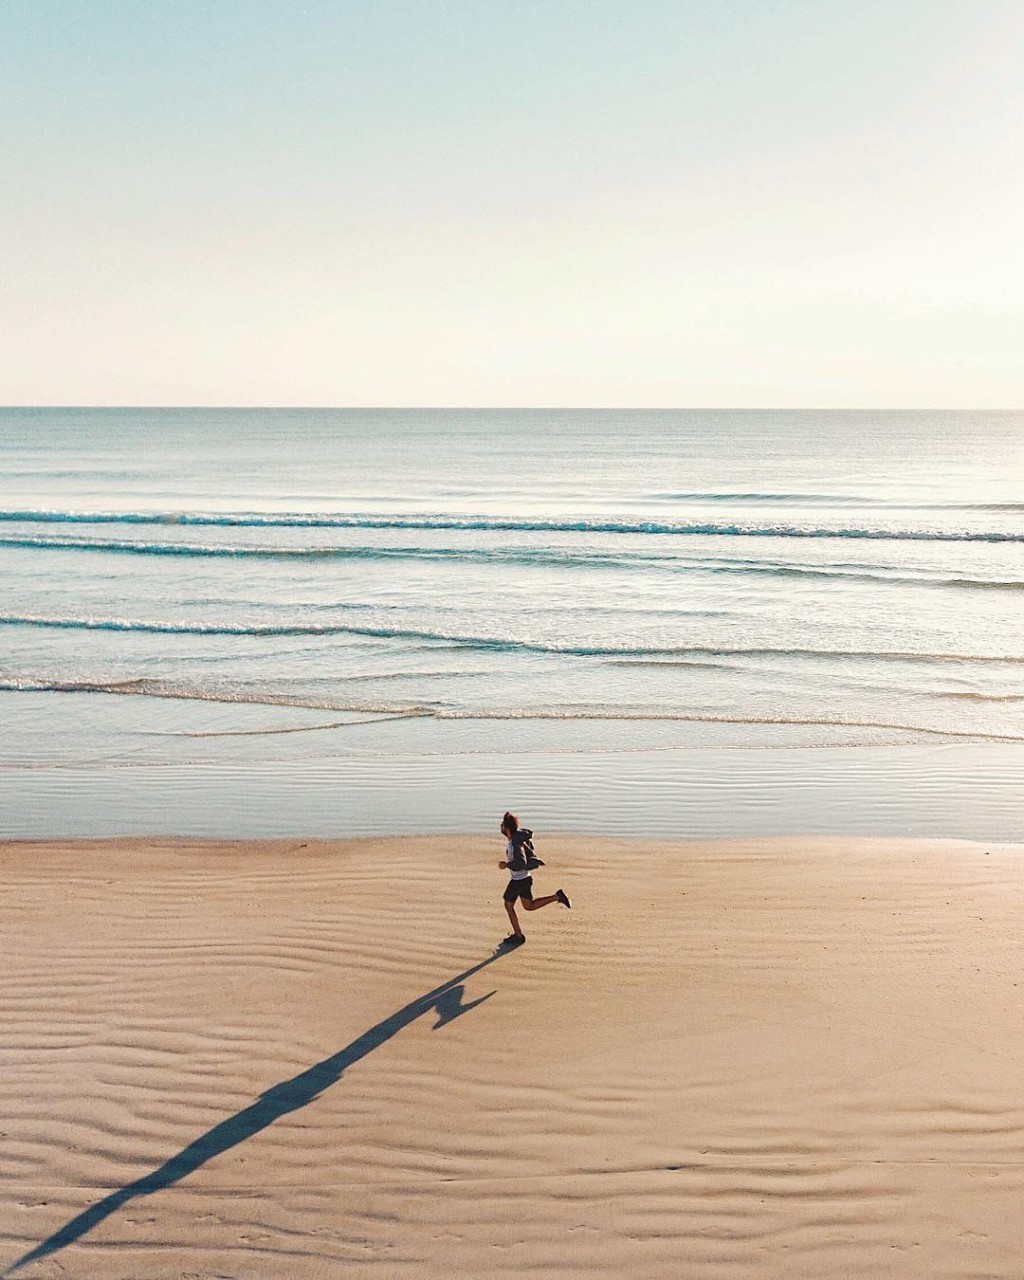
(513, 202)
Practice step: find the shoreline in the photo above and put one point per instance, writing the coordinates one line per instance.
(830, 844)
(765, 1057)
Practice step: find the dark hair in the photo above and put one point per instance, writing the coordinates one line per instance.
(511, 822)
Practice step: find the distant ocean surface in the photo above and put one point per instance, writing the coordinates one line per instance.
(311, 621)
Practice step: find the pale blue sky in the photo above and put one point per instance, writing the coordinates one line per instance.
(541, 202)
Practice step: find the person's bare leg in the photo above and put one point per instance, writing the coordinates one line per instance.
(514, 918)
(534, 904)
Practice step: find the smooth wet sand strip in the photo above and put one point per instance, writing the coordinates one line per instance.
(781, 1058)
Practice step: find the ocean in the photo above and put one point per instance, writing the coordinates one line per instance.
(335, 622)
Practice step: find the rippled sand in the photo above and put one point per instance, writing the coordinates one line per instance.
(764, 1058)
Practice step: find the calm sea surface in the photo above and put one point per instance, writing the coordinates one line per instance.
(203, 610)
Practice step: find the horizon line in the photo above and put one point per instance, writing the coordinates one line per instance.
(542, 408)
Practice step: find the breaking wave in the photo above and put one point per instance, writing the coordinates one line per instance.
(548, 557)
(500, 643)
(298, 520)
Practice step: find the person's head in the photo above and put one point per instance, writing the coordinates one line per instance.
(509, 825)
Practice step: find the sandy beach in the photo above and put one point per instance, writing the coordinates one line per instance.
(784, 1057)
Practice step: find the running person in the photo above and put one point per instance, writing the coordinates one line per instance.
(520, 883)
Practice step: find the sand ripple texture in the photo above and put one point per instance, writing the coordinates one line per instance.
(762, 1058)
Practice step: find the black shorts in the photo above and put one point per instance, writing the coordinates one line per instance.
(519, 889)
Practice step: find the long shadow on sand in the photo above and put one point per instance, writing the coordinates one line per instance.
(290, 1095)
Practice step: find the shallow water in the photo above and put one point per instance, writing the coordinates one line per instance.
(241, 590)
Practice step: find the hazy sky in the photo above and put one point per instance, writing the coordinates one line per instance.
(495, 202)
